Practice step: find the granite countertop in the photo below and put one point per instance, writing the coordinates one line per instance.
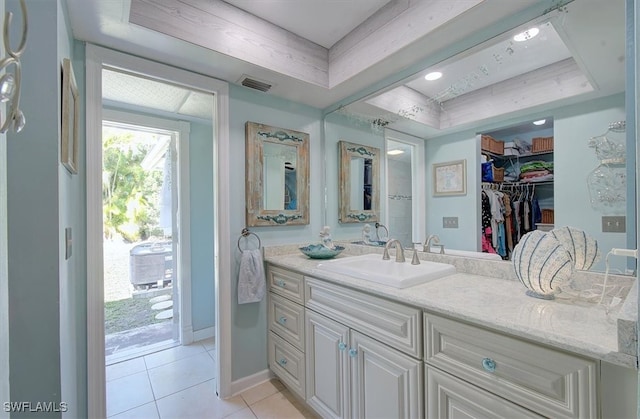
(490, 302)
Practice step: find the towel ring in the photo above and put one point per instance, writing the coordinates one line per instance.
(247, 233)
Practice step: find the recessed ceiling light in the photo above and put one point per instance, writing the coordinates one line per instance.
(526, 35)
(434, 75)
(394, 152)
(539, 122)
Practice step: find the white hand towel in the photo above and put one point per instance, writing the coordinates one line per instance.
(251, 280)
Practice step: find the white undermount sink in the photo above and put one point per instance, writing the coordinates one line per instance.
(388, 272)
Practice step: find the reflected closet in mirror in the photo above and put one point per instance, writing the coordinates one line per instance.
(277, 176)
(359, 183)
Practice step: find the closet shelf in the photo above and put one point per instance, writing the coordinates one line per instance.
(545, 183)
(516, 156)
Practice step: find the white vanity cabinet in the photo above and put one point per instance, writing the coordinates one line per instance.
(351, 354)
(353, 375)
(488, 374)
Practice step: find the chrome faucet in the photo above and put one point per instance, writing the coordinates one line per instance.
(399, 250)
(433, 240)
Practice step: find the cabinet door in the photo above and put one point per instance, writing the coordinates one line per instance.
(327, 372)
(385, 383)
(451, 398)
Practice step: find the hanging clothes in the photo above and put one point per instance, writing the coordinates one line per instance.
(508, 222)
(507, 215)
(496, 211)
(486, 233)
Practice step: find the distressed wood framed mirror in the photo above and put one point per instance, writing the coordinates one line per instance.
(359, 179)
(277, 176)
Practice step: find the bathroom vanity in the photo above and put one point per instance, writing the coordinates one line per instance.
(464, 344)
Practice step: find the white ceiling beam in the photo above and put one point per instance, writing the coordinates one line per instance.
(218, 26)
(407, 103)
(392, 28)
(557, 81)
(221, 27)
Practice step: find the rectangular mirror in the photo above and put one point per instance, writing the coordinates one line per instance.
(359, 181)
(277, 176)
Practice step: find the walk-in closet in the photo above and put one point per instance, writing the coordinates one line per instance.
(517, 184)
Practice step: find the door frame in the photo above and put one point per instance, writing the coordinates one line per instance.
(183, 223)
(97, 58)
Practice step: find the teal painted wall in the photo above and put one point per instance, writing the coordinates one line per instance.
(453, 147)
(73, 272)
(34, 196)
(249, 321)
(4, 276)
(574, 160)
(47, 299)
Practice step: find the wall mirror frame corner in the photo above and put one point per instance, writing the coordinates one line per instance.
(359, 181)
(277, 176)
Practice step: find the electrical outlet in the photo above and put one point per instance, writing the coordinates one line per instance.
(449, 222)
(614, 224)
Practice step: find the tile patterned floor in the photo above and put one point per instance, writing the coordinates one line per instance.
(180, 383)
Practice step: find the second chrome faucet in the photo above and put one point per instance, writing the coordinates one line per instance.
(434, 241)
(399, 250)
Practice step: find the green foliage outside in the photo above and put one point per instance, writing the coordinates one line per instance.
(130, 194)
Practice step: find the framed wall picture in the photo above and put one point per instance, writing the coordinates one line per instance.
(450, 178)
(70, 109)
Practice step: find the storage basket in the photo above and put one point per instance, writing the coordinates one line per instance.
(541, 144)
(490, 144)
(490, 173)
(547, 216)
(498, 174)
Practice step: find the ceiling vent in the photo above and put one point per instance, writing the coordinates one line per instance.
(254, 83)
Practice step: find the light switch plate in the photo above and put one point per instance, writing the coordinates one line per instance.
(67, 242)
(614, 224)
(449, 222)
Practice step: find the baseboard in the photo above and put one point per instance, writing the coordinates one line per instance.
(203, 334)
(246, 383)
(187, 336)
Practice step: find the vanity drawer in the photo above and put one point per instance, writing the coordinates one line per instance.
(393, 323)
(286, 318)
(549, 382)
(287, 363)
(448, 395)
(286, 283)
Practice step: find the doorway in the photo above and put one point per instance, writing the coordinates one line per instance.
(217, 94)
(140, 195)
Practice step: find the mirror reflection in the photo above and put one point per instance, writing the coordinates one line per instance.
(359, 177)
(361, 183)
(279, 176)
(571, 73)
